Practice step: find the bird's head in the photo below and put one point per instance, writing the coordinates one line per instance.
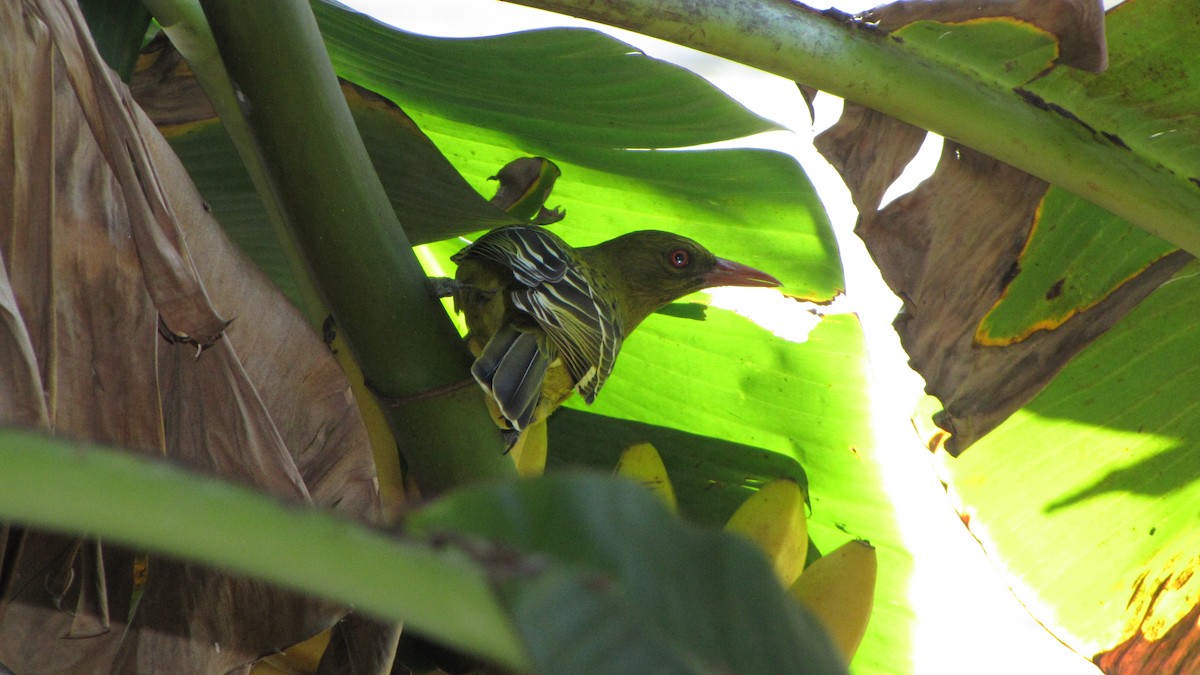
(650, 268)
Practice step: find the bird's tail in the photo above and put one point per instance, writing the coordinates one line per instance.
(511, 369)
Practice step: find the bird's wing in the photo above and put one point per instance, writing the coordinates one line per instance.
(511, 369)
(578, 321)
(534, 255)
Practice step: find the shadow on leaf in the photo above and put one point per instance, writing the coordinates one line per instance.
(711, 476)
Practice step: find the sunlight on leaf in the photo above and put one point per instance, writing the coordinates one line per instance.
(786, 318)
(1106, 478)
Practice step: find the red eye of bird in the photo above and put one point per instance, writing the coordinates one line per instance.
(679, 258)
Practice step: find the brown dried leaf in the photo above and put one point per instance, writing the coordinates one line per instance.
(809, 94)
(109, 112)
(948, 249)
(102, 237)
(206, 622)
(1176, 652)
(525, 184)
(165, 87)
(1078, 24)
(46, 587)
(1163, 618)
(869, 169)
(360, 646)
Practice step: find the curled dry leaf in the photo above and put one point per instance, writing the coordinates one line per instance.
(103, 236)
(525, 184)
(950, 249)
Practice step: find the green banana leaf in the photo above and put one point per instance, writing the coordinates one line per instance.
(118, 29)
(804, 401)
(465, 546)
(1086, 497)
(616, 603)
(1077, 255)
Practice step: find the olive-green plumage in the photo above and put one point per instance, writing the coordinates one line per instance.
(546, 319)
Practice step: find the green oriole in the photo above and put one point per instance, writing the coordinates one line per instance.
(546, 319)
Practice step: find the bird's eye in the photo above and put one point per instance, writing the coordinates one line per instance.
(679, 258)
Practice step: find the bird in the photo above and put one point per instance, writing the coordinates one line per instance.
(546, 320)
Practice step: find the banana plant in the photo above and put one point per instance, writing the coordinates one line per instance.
(1091, 161)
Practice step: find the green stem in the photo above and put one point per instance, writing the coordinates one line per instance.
(344, 226)
(184, 22)
(868, 67)
(81, 489)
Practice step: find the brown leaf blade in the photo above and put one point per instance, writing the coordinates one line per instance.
(104, 236)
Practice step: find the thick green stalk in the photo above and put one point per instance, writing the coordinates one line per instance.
(184, 22)
(868, 67)
(355, 247)
(54, 484)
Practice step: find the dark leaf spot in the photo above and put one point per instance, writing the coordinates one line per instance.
(1009, 274)
(1115, 140)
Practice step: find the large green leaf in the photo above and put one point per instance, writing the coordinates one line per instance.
(1075, 257)
(1086, 497)
(117, 29)
(594, 106)
(620, 585)
(120, 497)
(1046, 129)
(800, 400)
(620, 101)
(565, 88)
(628, 588)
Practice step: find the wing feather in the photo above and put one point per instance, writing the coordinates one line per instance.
(580, 322)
